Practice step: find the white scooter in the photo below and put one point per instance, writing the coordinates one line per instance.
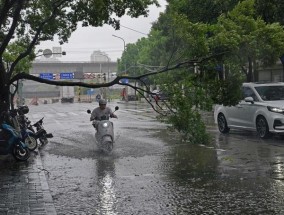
(105, 135)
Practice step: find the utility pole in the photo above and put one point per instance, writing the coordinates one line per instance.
(126, 88)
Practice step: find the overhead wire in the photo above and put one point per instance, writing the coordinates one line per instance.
(133, 29)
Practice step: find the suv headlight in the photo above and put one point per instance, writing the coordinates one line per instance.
(275, 109)
(105, 124)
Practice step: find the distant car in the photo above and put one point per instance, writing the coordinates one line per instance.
(162, 96)
(159, 96)
(261, 110)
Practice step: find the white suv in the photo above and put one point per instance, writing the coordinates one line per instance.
(262, 109)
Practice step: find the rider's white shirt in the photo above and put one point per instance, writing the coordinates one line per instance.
(97, 112)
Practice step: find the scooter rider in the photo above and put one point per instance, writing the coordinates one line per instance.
(101, 111)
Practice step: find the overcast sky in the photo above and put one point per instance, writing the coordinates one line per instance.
(86, 40)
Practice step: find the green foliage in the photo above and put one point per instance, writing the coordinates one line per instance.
(226, 92)
(189, 123)
(146, 51)
(187, 97)
(192, 35)
(206, 11)
(270, 10)
(153, 50)
(270, 43)
(12, 52)
(248, 37)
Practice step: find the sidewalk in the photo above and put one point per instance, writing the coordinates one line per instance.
(23, 187)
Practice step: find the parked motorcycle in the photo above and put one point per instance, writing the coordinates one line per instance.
(104, 135)
(11, 140)
(26, 125)
(41, 133)
(20, 124)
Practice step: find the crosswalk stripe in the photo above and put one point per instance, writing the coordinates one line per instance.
(74, 114)
(137, 110)
(49, 115)
(57, 122)
(61, 114)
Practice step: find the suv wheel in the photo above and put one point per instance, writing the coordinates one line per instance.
(262, 127)
(222, 124)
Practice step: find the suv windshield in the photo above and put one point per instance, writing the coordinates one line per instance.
(271, 93)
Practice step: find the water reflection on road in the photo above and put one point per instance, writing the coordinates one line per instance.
(236, 174)
(107, 199)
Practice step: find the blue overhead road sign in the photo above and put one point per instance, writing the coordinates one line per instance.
(124, 80)
(67, 75)
(48, 76)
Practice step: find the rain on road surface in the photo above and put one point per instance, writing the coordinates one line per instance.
(150, 171)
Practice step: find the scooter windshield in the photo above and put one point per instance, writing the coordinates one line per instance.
(104, 117)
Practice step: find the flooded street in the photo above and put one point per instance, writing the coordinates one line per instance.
(150, 170)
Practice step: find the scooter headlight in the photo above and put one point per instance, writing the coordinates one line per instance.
(105, 124)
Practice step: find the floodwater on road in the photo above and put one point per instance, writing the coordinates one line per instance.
(151, 171)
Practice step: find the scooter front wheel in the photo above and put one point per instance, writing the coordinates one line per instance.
(31, 142)
(109, 147)
(20, 153)
(107, 144)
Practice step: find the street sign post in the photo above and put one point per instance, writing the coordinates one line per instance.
(48, 76)
(67, 75)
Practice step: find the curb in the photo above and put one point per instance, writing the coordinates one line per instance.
(49, 204)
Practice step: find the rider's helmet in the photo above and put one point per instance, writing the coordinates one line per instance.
(102, 102)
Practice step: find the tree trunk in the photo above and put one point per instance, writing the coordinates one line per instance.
(4, 94)
(249, 74)
(255, 71)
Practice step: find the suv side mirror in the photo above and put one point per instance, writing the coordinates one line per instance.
(116, 108)
(88, 111)
(249, 99)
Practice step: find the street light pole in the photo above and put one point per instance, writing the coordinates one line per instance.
(126, 88)
(123, 48)
(122, 40)
(108, 66)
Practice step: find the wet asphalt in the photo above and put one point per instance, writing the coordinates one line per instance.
(151, 171)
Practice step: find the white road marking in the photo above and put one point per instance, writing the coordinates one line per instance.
(136, 110)
(62, 114)
(72, 113)
(48, 115)
(57, 122)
